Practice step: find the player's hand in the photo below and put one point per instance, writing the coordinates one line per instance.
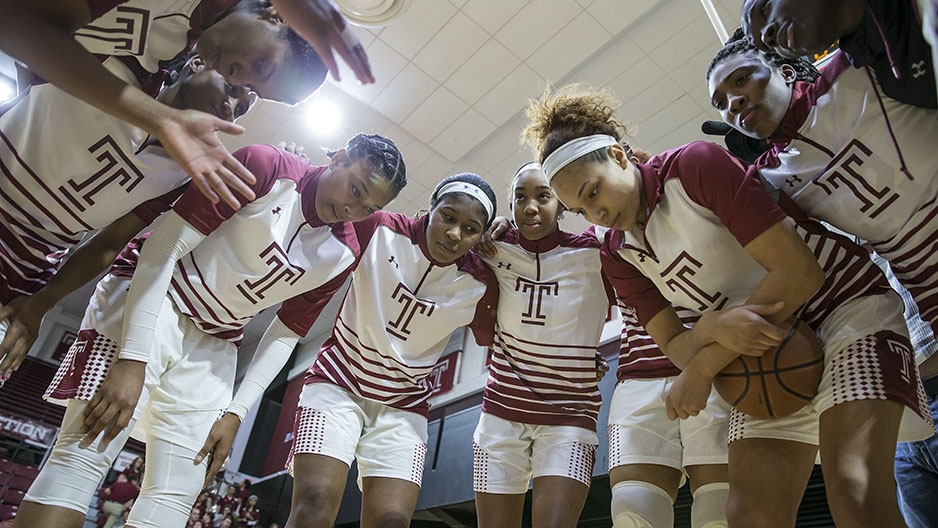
(112, 407)
(485, 246)
(744, 329)
(324, 27)
(218, 445)
(688, 394)
(189, 136)
(602, 367)
(293, 148)
(21, 319)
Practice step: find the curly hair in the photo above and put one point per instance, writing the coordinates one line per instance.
(381, 155)
(740, 43)
(473, 179)
(574, 111)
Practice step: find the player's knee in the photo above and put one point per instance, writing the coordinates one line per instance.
(744, 511)
(69, 477)
(709, 508)
(637, 504)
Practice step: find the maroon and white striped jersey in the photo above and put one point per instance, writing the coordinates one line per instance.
(552, 305)
(703, 210)
(67, 169)
(269, 250)
(399, 312)
(839, 161)
(147, 34)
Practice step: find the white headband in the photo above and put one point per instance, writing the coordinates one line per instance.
(573, 150)
(471, 190)
(531, 165)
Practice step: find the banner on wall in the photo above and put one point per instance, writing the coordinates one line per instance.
(443, 376)
(42, 435)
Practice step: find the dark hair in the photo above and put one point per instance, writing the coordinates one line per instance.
(310, 72)
(740, 43)
(472, 179)
(574, 111)
(382, 156)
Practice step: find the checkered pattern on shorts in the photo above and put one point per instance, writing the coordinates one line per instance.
(87, 363)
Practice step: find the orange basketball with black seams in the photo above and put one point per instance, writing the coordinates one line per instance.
(778, 383)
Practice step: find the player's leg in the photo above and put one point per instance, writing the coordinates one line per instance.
(870, 383)
(388, 502)
(643, 495)
(562, 461)
(557, 501)
(501, 471)
(705, 462)
(645, 455)
(194, 387)
(390, 455)
(318, 486)
(61, 494)
(327, 431)
(858, 441)
(710, 488)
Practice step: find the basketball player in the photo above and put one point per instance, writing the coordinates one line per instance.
(245, 40)
(831, 126)
(692, 231)
(541, 402)
(882, 35)
(163, 354)
(366, 393)
(103, 174)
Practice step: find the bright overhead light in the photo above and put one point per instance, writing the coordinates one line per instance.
(323, 116)
(7, 88)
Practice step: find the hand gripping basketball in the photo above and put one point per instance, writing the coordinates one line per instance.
(779, 382)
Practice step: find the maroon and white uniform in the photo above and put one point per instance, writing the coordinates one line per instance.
(541, 402)
(238, 263)
(552, 306)
(366, 393)
(399, 313)
(690, 254)
(266, 252)
(97, 169)
(868, 173)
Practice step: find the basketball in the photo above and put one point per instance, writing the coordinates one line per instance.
(779, 382)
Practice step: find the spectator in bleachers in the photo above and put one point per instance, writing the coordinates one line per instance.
(135, 468)
(249, 514)
(244, 492)
(119, 497)
(230, 499)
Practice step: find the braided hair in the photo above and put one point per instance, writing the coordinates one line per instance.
(381, 155)
(740, 43)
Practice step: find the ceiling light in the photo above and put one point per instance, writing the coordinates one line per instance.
(323, 116)
(372, 13)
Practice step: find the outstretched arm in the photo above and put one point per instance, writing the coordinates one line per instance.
(84, 264)
(39, 33)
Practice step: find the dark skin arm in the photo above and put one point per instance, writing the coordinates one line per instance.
(793, 276)
(87, 262)
(39, 33)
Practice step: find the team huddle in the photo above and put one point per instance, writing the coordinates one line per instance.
(708, 257)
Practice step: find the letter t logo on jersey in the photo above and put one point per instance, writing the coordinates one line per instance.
(534, 314)
(410, 305)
